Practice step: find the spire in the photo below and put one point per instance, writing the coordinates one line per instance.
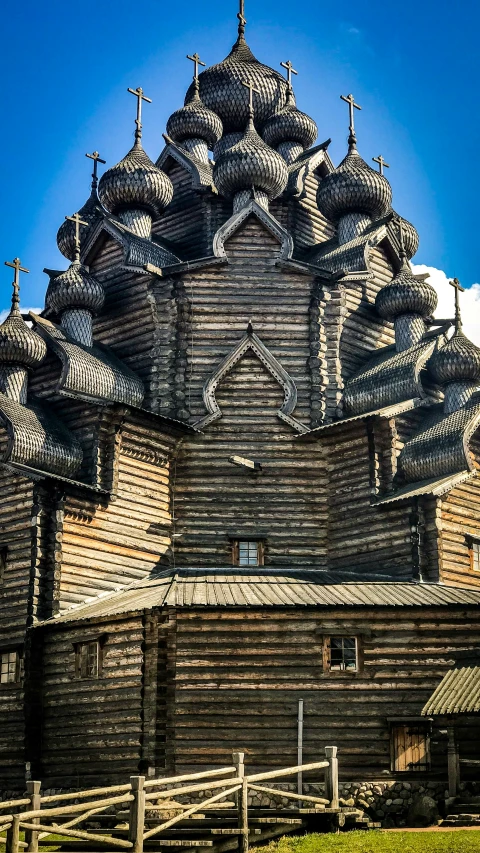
(381, 163)
(241, 21)
(458, 290)
(96, 160)
(16, 265)
(352, 139)
(138, 92)
(249, 85)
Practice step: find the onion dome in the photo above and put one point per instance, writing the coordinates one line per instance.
(221, 87)
(20, 345)
(290, 124)
(135, 182)
(251, 162)
(89, 213)
(195, 121)
(410, 235)
(406, 294)
(457, 361)
(354, 187)
(75, 288)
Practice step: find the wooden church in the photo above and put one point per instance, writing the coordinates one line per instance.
(238, 462)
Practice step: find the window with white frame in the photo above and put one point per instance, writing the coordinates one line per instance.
(474, 551)
(247, 552)
(10, 667)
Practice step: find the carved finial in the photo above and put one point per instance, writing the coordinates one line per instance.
(138, 92)
(249, 85)
(17, 266)
(458, 290)
(352, 139)
(249, 328)
(96, 160)
(381, 163)
(196, 61)
(241, 20)
(403, 254)
(76, 219)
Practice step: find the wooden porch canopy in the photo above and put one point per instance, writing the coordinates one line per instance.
(457, 693)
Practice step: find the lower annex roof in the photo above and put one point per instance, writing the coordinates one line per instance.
(457, 693)
(227, 587)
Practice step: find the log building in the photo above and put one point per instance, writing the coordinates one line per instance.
(239, 463)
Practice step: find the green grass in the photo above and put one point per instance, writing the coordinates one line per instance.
(379, 842)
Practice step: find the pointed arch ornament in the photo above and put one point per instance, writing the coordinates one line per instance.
(251, 341)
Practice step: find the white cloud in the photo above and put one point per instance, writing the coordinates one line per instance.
(4, 314)
(469, 301)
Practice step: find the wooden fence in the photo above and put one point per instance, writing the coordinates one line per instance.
(39, 821)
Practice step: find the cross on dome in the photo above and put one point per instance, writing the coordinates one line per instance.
(381, 163)
(197, 61)
(17, 266)
(138, 92)
(96, 160)
(249, 85)
(241, 18)
(77, 221)
(350, 100)
(454, 282)
(290, 70)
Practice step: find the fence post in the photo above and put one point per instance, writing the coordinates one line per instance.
(453, 763)
(31, 837)
(13, 836)
(136, 823)
(331, 776)
(242, 800)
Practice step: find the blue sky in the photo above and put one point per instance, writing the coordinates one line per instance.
(412, 66)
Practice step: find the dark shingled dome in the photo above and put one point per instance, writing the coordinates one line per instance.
(75, 288)
(90, 213)
(251, 162)
(354, 188)
(222, 89)
(18, 343)
(195, 121)
(135, 182)
(457, 361)
(406, 295)
(290, 125)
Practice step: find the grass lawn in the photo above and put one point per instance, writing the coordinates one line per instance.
(379, 842)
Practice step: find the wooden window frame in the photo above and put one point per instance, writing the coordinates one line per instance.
(78, 646)
(473, 541)
(411, 722)
(18, 666)
(326, 654)
(235, 545)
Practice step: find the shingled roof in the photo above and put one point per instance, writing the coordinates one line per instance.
(277, 587)
(457, 693)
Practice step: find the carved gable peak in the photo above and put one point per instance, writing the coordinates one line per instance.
(267, 221)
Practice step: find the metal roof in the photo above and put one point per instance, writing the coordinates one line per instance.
(266, 588)
(436, 486)
(457, 693)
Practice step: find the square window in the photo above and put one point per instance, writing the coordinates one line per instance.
(340, 654)
(410, 746)
(247, 552)
(10, 667)
(87, 659)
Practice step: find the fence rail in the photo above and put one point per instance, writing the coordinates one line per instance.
(39, 823)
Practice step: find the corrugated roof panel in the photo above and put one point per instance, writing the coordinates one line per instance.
(457, 693)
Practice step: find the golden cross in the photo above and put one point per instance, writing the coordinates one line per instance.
(350, 100)
(138, 92)
(458, 289)
(290, 70)
(96, 159)
(17, 266)
(197, 61)
(249, 85)
(381, 163)
(76, 219)
(241, 17)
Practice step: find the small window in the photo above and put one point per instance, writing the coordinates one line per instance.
(247, 552)
(474, 548)
(340, 654)
(87, 663)
(410, 748)
(11, 667)
(3, 561)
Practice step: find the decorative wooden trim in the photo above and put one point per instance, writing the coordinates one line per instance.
(266, 218)
(251, 341)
